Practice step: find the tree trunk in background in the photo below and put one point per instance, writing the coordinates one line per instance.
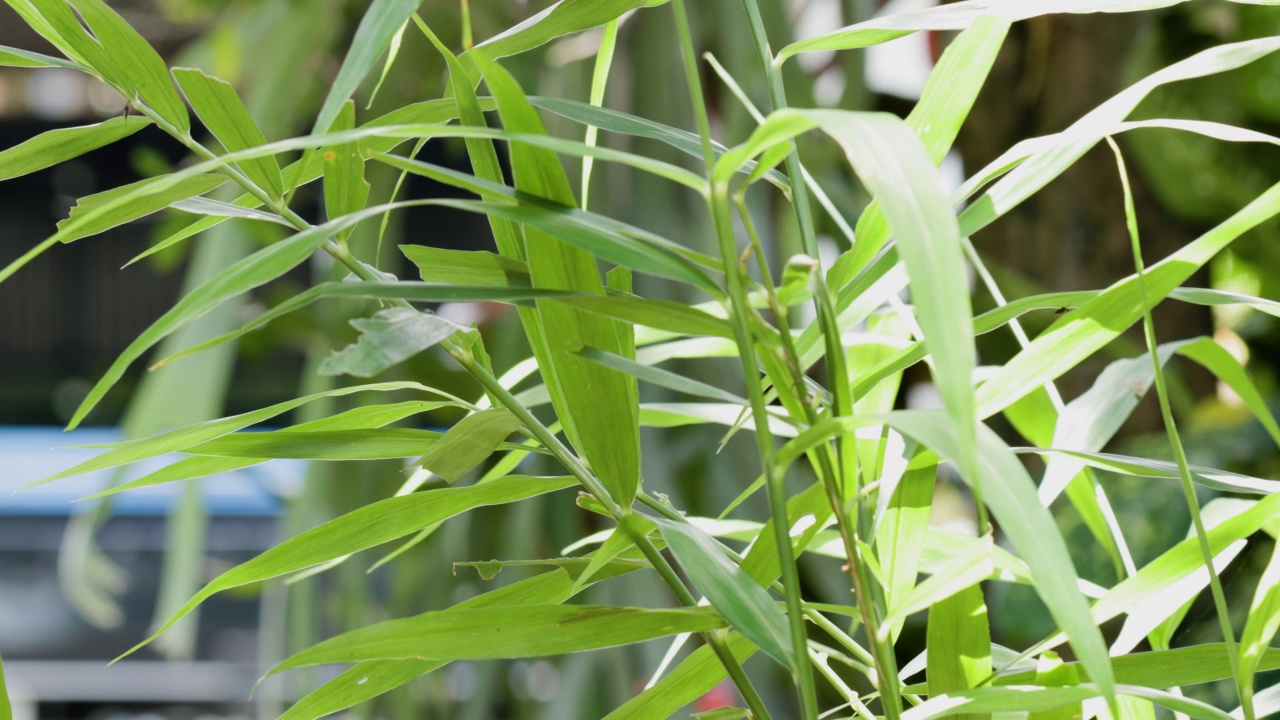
(1072, 234)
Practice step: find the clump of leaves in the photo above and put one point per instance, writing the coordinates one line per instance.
(819, 400)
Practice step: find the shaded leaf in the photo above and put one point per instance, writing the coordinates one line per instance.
(468, 443)
(388, 338)
(733, 593)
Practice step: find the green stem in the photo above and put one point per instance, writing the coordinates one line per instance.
(869, 602)
(778, 96)
(774, 481)
(886, 664)
(1175, 441)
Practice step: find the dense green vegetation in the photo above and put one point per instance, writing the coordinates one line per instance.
(818, 357)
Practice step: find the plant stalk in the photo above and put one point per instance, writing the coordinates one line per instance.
(774, 480)
(1175, 441)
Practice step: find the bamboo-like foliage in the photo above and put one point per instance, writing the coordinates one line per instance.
(818, 400)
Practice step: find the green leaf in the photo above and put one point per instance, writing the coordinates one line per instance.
(734, 594)
(1097, 322)
(467, 267)
(566, 224)
(660, 377)
(956, 16)
(945, 102)
(137, 60)
(377, 28)
(1206, 296)
(6, 711)
(1262, 623)
(55, 22)
(1142, 467)
(563, 18)
(183, 438)
(618, 542)
(625, 124)
(204, 466)
(154, 194)
(1163, 668)
(1052, 672)
(412, 291)
(370, 679)
(504, 632)
(468, 443)
(694, 677)
(900, 536)
(1034, 699)
(17, 57)
(966, 570)
(959, 644)
(388, 338)
(220, 108)
(597, 405)
(364, 528)
(1174, 565)
(345, 189)
(431, 111)
(257, 269)
(543, 213)
(58, 146)
(217, 208)
(380, 444)
(1011, 495)
(665, 315)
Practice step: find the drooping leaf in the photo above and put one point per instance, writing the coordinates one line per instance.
(58, 146)
(17, 57)
(255, 270)
(388, 338)
(620, 122)
(217, 208)
(220, 108)
(989, 699)
(563, 18)
(364, 528)
(78, 226)
(504, 632)
(953, 16)
(468, 443)
(733, 593)
(658, 376)
(182, 438)
(370, 679)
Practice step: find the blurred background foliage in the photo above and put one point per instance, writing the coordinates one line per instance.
(281, 53)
